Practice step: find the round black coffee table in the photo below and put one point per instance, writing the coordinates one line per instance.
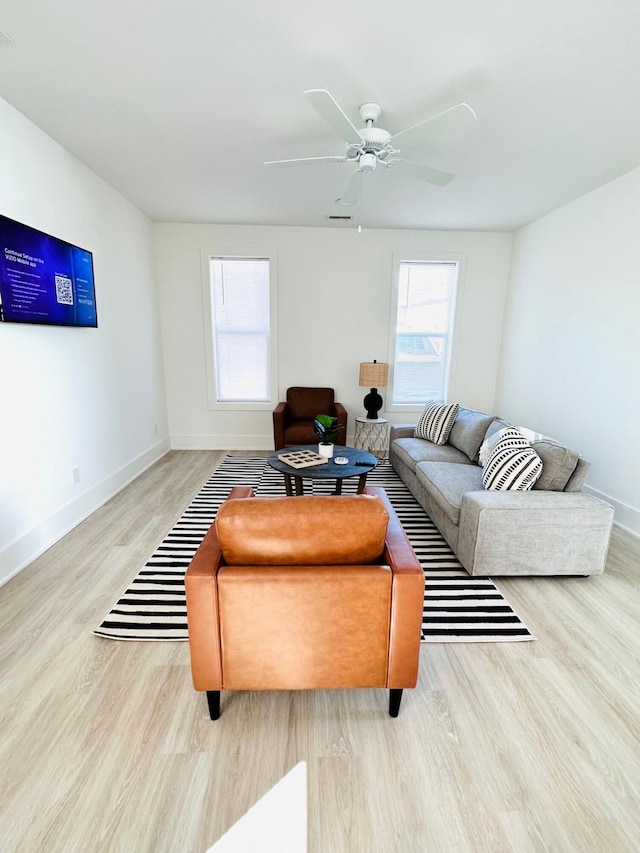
(359, 464)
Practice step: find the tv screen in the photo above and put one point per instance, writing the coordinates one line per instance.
(44, 279)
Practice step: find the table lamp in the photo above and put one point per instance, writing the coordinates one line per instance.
(373, 374)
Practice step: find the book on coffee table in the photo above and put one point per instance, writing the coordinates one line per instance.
(302, 458)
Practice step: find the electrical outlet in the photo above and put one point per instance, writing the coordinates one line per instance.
(76, 476)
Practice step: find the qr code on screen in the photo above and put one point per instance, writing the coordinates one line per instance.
(64, 293)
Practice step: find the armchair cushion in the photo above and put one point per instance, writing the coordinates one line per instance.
(310, 530)
(306, 403)
(300, 432)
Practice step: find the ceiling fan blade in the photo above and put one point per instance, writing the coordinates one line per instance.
(455, 118)
(332, 113)
(352, 191)
(307, 161)
(422, 172)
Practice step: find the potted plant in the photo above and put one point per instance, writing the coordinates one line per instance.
(326, 428)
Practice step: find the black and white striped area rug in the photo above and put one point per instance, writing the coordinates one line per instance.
(457, 607)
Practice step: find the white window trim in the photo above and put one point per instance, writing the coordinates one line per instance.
(452, 371)
(206, 253)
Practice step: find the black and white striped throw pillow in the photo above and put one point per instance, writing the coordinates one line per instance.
(436, 421)
(513, 463)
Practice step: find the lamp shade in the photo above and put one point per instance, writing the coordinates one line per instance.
(374, 374)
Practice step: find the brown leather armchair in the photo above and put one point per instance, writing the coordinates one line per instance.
(304, 593)
(293, 419)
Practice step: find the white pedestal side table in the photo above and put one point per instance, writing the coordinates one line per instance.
(373, 435)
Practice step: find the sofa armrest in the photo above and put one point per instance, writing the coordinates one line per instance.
(407, 601)
(401, 431)
(533, 533)
(201, 587)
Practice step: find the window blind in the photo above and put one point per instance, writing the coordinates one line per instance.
(426, 297)
(241, 322)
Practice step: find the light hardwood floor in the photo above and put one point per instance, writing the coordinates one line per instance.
(502, 746)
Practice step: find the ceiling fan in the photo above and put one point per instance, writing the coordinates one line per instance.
(371, 146)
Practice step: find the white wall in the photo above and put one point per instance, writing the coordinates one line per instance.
(69, 397)
(334, 289)
(570, 364)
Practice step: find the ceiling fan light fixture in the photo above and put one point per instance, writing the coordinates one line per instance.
(367, 163)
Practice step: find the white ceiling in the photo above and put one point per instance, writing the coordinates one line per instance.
(178, 104)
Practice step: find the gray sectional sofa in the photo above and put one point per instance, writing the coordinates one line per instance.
(553, 529)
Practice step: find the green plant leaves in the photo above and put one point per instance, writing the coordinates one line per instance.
(326, 428)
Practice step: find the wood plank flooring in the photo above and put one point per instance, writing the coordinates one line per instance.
(105, 746)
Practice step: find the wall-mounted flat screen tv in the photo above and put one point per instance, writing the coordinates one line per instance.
(44, 279)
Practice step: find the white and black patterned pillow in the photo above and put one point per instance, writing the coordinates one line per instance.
(436, 421)
(487, 446)
(513, 463)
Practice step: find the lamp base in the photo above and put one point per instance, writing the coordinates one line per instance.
(373, 404)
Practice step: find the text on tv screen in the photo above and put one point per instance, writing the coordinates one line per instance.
(44, 279)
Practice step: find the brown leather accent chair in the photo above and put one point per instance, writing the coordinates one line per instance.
(311, 592)
(293, 418)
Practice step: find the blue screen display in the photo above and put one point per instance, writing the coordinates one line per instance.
(44, 279)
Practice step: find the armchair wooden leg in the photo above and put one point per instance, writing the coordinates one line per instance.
(213, 700)
(395, 697)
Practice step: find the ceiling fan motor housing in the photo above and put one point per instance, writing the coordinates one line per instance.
(375, 138)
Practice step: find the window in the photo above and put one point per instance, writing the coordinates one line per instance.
(241, 333)
(422, 335)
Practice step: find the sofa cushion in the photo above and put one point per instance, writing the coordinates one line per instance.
(495, 425)
(489, 440)
(513, 464)
(446, 484)
(436, 422)
(411, 451)
(576, 480)
(488, 445)
(558, 461)
(469, 430)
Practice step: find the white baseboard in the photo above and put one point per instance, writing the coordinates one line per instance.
(625, 516)
(36, 541)
(227, 442)
(221, 442)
